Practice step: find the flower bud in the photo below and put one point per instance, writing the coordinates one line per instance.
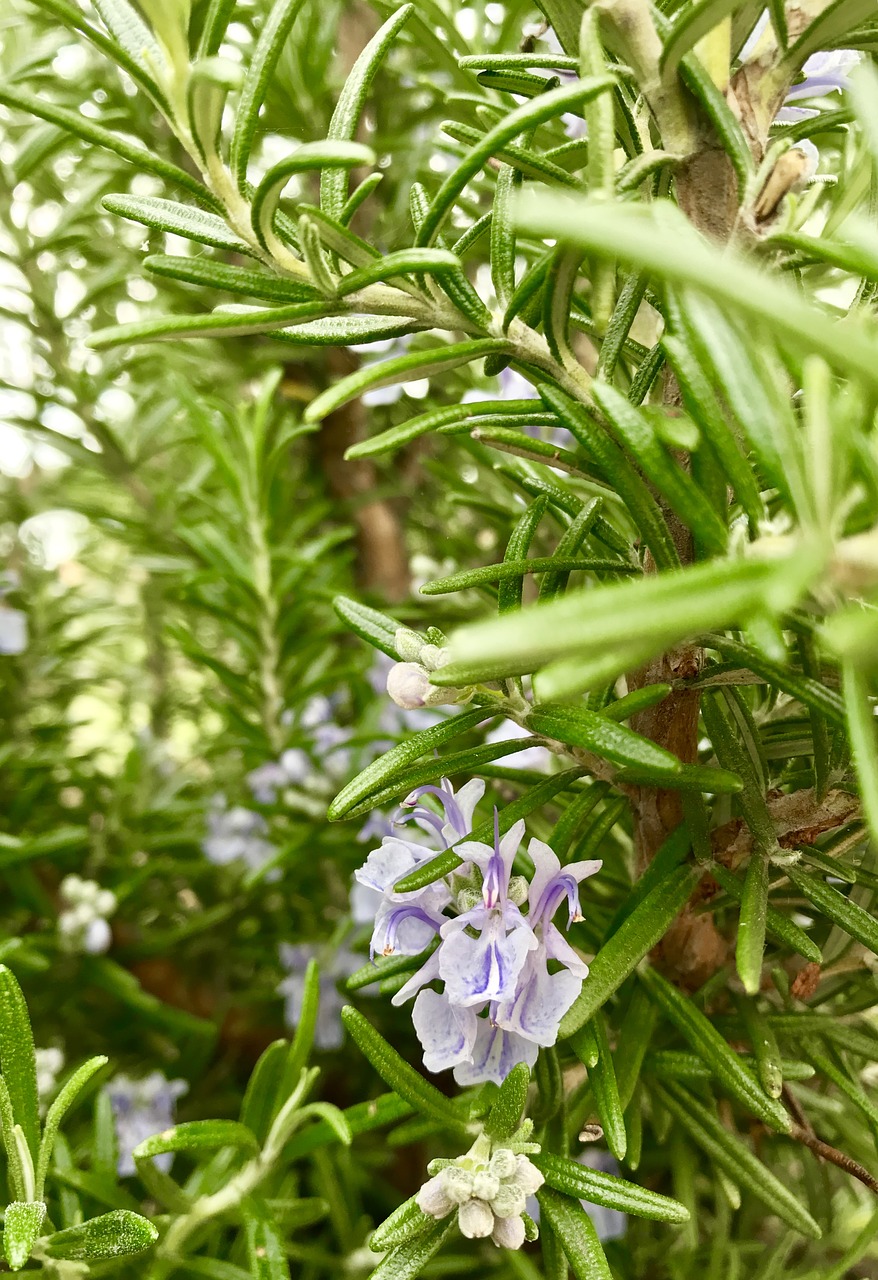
(408, 644)
(97, 937)
(528, 1176)
(485, 1185)
(432, 657)
(475, 1220)
(432, 1199)
(518, 887)
(457, 1184)
(408, 685)
(509, 1200)
(503, 1163)
(508, 1233)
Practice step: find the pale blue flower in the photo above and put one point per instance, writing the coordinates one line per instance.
(236, 835)
(335, 964)
(13, 631)
(494, 1053)
(140, 1109)
(487, 966)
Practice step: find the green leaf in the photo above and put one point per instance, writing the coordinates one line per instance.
(468, 762)
(515, 570)
(405, 1223)
(346, 117)
(229, 324)
(22, 1224)
(677, 486)
(438, 262)
(303, 1040)
(509, 596)
(675, 1064)
(263, 1089)
(777, 925)
(811, 693)
(658, 239)
(67, 1095)
(363, 1117)
(715, 1050)
(382, 771)
(416, 364)
(614, 465)
(602, 1077)
(634, 939)
(577, 1234)
(579, 727)
(752, 925)
(376, 628)
(178, 219)
(837, 20)
(81, 126)
(837, 907)
(718, 709)
(397, 1073)
(736, 1159)
(265, 1246)
(119, 1234)
(138, 44)
(580, 1182)
(690, 23)
(312, 155)
(210, 273)
(700, 399)
(522, 120)
(198, 1135)
(861, 729)
(18, 1059)
(769, 1065)
(215, 25)
(409, 1259)
(508, 1108)
(661, 610)
(269, 46)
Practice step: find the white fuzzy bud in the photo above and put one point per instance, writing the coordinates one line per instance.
(432, 1199)
(457, 1184)
(518, 887)
(509, 1200)
(528, 1176)
(408, 685)
(508, 1233)
(475, 1219)
(97, 937)
(105, 902)
(408, 644)
(432, 657)
(504, 1163)
(485, 1185)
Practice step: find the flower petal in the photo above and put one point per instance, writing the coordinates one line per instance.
(486, 967)
(446, 1033)
(540, 1002)
(495, 1052)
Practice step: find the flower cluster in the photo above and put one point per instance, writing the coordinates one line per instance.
(408, 681)
(236, 834)
(488, 1189)
(140, 1109)
(82, 925)
(492, 936)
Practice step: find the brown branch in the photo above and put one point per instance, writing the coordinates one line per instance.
(803, 1131)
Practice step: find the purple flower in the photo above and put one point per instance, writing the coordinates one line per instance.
(486, 966)
(236, 834)
(823, 73)
(140, 1109)
(335, 964)
(499, 1001)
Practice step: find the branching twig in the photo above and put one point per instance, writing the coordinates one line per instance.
(803, 1131)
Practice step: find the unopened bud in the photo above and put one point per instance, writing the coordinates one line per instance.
(408, 644)
(408, 685)
(475, 1219)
